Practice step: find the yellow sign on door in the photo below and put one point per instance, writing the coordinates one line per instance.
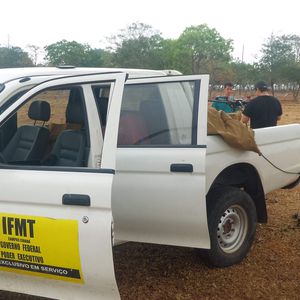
(40, 246)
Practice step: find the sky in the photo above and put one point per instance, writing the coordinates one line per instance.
(248, 23)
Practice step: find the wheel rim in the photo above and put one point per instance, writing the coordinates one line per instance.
(232, 228)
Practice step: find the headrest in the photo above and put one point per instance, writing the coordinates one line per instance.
(74, 113)
(39, 111)
(151, 107)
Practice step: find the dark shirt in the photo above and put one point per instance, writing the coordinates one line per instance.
(263, 111)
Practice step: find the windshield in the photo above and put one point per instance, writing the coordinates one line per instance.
(11, 100)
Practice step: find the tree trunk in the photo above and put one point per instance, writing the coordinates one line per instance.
(272, 88)
(296, 91)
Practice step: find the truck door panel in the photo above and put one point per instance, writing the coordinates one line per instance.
(165, 165)
(55, 221)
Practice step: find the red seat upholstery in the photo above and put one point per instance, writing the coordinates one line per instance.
(132, 129)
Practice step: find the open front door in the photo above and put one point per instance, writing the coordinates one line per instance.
(161, 156)
(55, 211)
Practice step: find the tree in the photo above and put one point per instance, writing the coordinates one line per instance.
(291, 71)
(74, 53)
(280, 61)
(202, 49)
(13, 57)
(34, 52)
(138, 46)
(292, 76)
(132, 32)
(277, 53)
(168, 54)
(293, 41)
(244, 75)
(98, 58)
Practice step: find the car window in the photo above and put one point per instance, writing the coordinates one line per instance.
(157, 114)
(49, 129)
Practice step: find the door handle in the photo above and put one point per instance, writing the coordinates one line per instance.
(185, 168)
(76, 199)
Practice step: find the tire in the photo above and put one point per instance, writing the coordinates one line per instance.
(231, 224)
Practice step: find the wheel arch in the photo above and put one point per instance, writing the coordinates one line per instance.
(246, 177)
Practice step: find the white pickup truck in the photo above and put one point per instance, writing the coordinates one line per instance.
(94, 157)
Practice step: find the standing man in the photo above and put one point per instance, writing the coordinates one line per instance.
(225, 102)
(264, 110)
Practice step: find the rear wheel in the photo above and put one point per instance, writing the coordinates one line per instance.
(232, 225)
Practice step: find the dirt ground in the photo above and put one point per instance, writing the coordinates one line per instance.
(271, 270)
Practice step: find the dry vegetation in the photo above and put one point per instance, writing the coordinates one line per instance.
(271, 270)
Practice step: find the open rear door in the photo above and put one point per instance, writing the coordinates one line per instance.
(55, 221)
(161, 155)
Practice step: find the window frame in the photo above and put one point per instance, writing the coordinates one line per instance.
(194, 121)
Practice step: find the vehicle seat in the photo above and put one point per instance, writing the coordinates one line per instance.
(29, 143)
(69, 147)
(153, 112)
(132, 129)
